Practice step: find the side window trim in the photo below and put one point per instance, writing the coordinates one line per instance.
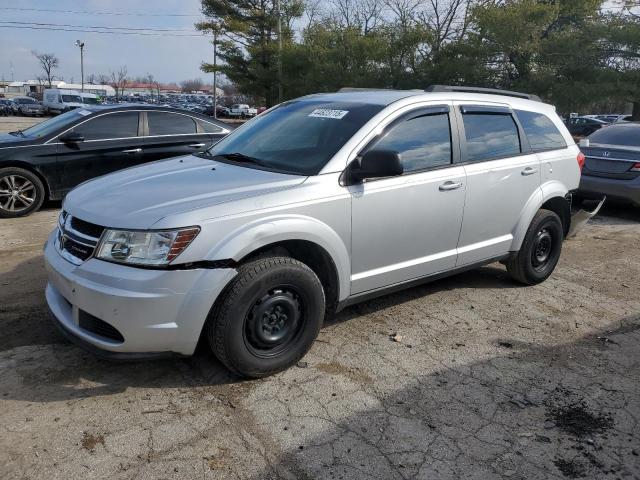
(420, 112)
(525, 148)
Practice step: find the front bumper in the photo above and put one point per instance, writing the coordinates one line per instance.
(625, 190)
(156, 311)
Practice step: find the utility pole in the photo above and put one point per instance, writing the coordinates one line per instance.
(279, 52)
(215, 73)
(81, 45)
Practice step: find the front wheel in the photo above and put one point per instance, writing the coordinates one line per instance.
(21, 192)
(267, 318)
(540, 250)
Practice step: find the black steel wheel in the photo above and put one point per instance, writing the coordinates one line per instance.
(540, 250)
(268, 316)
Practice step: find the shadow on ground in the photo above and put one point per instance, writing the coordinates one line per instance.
(568, 411)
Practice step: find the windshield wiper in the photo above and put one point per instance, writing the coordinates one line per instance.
(16, 133)
(240, 157)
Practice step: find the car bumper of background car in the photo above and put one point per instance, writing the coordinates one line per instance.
(124, 312)
(624, 190)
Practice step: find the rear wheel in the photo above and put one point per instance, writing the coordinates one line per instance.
(540, 250)
(268, 317)
(21, 192)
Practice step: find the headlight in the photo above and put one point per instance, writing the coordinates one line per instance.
(144, 248)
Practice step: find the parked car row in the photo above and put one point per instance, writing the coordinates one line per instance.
(24, 106)
(581, 126)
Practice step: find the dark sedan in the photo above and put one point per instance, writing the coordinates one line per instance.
(49, 159)
(612, 164)
(27, 106)
(583, 126)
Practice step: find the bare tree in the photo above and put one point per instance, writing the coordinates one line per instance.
(362, 14)
(191, 85)
(154, 86)
(313, 12)
(102, 79)
(48, 61)
(119, 81)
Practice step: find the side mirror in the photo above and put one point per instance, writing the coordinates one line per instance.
(375, 164)
(584, 142)
(71, 137)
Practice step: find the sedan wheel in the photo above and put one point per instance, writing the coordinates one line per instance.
(21, 192)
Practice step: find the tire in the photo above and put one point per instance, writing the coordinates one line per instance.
(540, 249)
(14, 179)
(267, 318)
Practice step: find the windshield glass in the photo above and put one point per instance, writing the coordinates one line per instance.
(90, 100)
(24, 101)
(297, 137)
(628, 135)
(53, 124)
(71, 98)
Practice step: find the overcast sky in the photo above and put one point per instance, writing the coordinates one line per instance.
(168, 58)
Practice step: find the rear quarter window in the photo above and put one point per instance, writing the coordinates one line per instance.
(540, 131)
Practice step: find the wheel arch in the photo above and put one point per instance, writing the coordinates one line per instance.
(304, 238)
(31, 168)
(551, 196)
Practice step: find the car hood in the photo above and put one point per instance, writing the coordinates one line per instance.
(7, 140)
(139, 197)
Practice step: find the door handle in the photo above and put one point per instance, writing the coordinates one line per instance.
(197, 145)
(132, 150)
(446, 186)
(529, 171)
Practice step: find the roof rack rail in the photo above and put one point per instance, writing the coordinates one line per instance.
(364, 89)
(491, 91)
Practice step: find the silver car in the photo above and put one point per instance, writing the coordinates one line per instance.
(318, 203)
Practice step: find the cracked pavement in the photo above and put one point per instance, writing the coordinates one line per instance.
(469, 377)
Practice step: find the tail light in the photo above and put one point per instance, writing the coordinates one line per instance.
(581, 160)
(635, 168)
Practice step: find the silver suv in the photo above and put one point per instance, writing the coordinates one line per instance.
(316, 204)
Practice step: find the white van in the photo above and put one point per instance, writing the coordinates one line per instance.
(89, 98)
(56, 100)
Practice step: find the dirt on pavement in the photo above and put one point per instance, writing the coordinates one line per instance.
(469, 377)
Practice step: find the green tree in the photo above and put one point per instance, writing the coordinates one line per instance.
(249, 47)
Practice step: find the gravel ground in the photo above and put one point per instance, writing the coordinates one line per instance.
(469, 377)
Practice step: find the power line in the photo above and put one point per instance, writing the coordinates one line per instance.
(55, 29)
(89, 12)
(137, 29)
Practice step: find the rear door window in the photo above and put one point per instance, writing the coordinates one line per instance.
(164, 123)
(110, 126)
(540, 131)
(490, 135)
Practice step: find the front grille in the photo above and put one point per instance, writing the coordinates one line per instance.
(92, 324)
(77, 239)
(86, 228)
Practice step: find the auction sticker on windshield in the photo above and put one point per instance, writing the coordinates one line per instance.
(328, 113)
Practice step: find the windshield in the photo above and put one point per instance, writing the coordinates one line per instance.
(628, 135)
(24, 101)
(297, 137)
(71, 98)
(90, 100)
(53, 124)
